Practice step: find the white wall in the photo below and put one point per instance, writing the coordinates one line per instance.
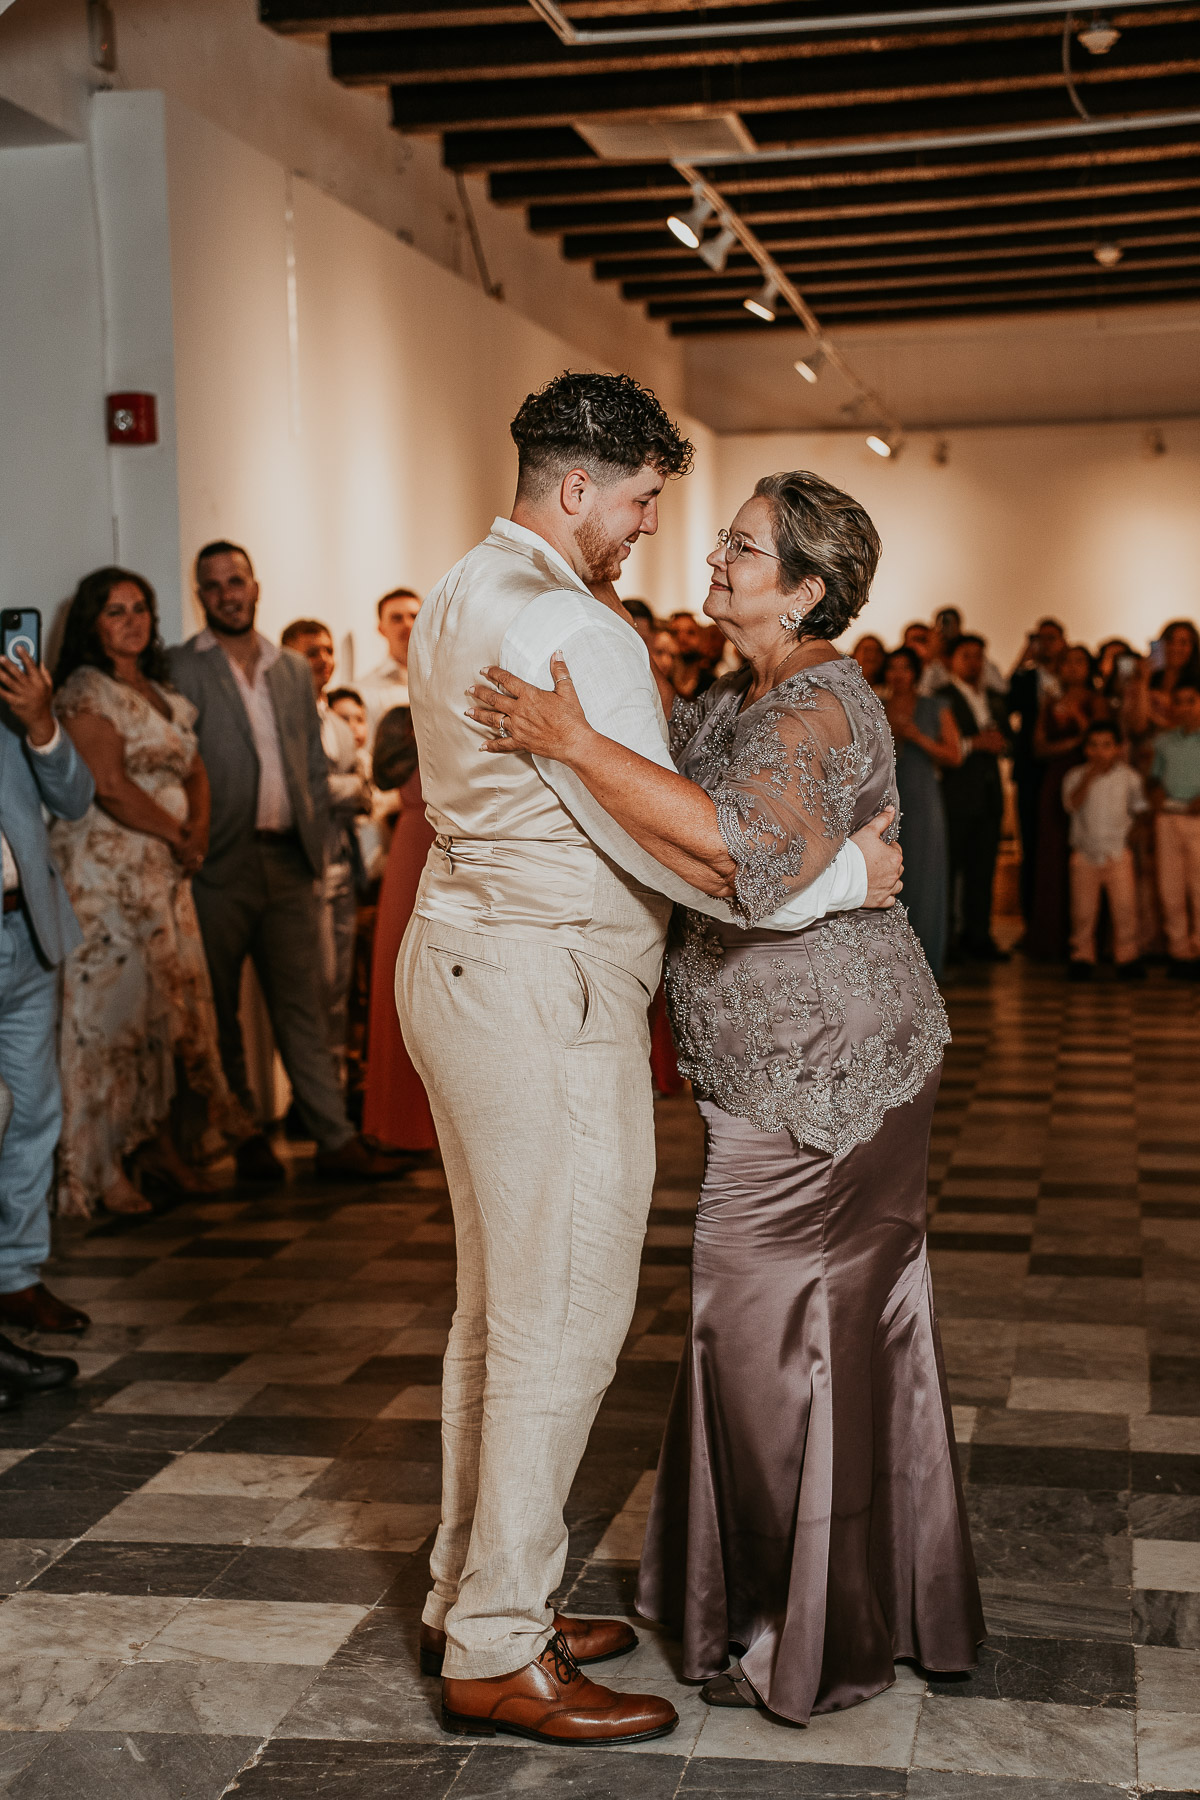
(355, 435)
(55, 510)
(1080, 521)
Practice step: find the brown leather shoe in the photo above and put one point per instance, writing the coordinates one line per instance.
(553, 1702)
(37, 1309)
(588, 1640)
(355, 1160)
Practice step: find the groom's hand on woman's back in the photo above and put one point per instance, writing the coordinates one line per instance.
(885, 864)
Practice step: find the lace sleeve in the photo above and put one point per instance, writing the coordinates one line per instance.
(687, 716)
(87, 690)
(786, 803)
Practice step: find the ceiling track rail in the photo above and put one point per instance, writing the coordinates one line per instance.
(729, 220)
(568, 33)
(960, 140)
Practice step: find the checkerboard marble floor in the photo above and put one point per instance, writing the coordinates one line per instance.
(214, 1547)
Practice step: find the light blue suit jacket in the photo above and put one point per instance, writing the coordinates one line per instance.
(63, 784)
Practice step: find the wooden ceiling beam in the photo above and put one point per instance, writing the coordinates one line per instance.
(1063, 297)
(532, 51)
(947, 266)
(897, 101)
(302, 17)
(936, 233)
(1031, 187)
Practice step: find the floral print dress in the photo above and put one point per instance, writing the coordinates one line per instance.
(137, 999)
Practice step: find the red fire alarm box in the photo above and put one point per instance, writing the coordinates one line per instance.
(132, 419)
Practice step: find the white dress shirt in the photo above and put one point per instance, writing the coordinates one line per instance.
(610, 669)
(1100, 826)
(12, 875)
(274, 812)
(382, 688)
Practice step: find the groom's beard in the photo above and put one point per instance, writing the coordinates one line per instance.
(600, 552)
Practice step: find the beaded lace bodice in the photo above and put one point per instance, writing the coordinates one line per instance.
(819, 1033)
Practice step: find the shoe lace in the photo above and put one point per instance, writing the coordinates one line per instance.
(566, 1669)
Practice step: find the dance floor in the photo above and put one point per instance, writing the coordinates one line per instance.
(215, 1546)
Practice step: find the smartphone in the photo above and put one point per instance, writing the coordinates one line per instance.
(1125, 668)
(21, 629)
(1158, 654)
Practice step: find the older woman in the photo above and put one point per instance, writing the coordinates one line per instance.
(137, 1004)
(807, 1514)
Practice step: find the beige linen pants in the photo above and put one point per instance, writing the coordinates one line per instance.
(1177, 845)
(1118, 879)
(536, 1062)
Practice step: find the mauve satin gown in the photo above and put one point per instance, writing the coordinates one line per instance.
(808, 1513)
(395, 1105)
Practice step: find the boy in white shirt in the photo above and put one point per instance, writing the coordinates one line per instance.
(1103, 797)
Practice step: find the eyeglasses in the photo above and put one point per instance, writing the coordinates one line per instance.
(733, 543)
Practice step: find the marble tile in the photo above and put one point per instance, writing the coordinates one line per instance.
(253, 1631)
(1166, 1617)
(217, 1400)
(186, 1519)
(415, 1403)
(1168, 1680)
(302, 1767)
(1025, 1738)
(1050, 1609)
(1062, 1430)
(1042, 1394)
(44, 1692)
(116, 1765)
(364, 1703)
(1166, 1564)
(414, 1340)
(351, 1525)
(878, 1734)
(1065, 1672)
(1172, 1436)
(352, 1577)
(89, 1567)
(940, 1784)
(81, 1625)
(1166, 1516)
(622, 1542)
(1064, 1559)
(252, 1477)
(1168, 1746)
(23, 1560)
(276, 1366)
(212, 1338)
(354, 1400)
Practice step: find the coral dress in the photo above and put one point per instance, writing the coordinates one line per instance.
(395, 1107)
(136, 994)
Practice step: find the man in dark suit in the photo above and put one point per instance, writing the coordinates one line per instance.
(39, 767)
(974, 799)
(1033, 682)
(257, 891)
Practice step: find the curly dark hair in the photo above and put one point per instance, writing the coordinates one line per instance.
(608, 424)
(821, 531)
(81, 638)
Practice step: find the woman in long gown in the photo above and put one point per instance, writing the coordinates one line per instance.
(927, 741)
(395, 1106)
(137, 1010)
(807, 1513)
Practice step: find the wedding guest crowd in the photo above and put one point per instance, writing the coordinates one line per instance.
(222, 802)
(1103, 753)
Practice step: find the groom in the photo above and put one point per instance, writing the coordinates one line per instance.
(522, 987)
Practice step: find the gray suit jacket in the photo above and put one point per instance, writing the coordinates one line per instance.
(228, 753)
(63, 784)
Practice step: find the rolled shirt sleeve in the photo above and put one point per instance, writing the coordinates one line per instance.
(610, 668)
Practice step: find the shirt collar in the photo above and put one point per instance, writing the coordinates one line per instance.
(268, 653)
(531, 540)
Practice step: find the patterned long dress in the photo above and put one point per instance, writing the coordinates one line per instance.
(136, 994)
(807, 1514)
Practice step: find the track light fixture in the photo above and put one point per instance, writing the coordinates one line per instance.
(716, 252)
(1108, 255)
(689, 226)
(879, 445)
(762, 304)
(809, 367)
(1099, 37)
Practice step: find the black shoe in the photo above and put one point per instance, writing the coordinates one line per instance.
(1078, 970)
(256, 1161)
(1179, 970)
(987, 952)
(1132, 971)
(26, 1370)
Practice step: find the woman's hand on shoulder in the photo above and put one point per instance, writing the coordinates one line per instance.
(528, 718)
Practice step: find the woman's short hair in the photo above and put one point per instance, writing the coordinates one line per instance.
(81, 645)
(821, 531)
